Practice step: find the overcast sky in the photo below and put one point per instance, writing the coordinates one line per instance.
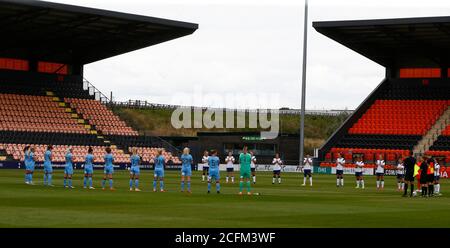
(249, 46)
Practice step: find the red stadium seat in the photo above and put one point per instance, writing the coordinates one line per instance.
(388, 117)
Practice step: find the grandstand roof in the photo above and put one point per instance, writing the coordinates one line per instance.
(404, 42)
(72, 34)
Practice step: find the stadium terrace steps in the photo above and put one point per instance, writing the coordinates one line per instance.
(82, 120)
(433, 133)
(68, 108)
(98, 115)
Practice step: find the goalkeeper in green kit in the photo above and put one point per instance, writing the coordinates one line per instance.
(245, 159)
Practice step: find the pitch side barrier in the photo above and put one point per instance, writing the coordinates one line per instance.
(445, 171)
(259, 167)
(319, 170)
(118, 166)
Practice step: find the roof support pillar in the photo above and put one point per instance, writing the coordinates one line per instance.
(33, 64)
(390, 72)
(77, 69)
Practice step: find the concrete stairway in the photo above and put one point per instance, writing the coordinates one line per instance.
(79, 118)
(431, 136)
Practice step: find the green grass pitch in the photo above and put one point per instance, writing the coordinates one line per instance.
(285, 205)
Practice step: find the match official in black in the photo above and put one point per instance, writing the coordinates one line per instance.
(409, 163)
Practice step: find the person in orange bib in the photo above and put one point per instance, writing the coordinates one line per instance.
(430, 176)
(417, 173)
(423, 176)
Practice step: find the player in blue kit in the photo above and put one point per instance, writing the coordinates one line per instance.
(109, 169)
(48, 169)
(134, 171)
(159, 171)
(213, 162)
(68, 170)
(26, 150)
(32, 163)
(88, 168)
(28, 165)
(186, 169)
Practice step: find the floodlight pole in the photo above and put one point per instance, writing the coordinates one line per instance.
(302, 110)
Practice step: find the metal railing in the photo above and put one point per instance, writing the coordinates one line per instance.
(99, 96)
(148, 105)
(169, 147)
(96, 93)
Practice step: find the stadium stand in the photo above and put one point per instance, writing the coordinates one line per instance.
(100, 116)
(43, 98)
(46, 119)
(399, 117)
(393, 125)
(42, 120)
(410, 109)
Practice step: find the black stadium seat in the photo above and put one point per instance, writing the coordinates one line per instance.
(49, 138)
(379, 141)
(441, 144)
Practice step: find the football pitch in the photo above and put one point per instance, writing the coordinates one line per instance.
(284, 205)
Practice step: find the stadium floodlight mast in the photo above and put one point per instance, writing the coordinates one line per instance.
(302, 110)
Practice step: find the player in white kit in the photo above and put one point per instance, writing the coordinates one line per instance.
(400, 175)
(359, 172)
(229, 160)
(340, 163)
(380, 172)
(253, 166)
(205, 166)
(437, 176)
(307, 167)
(277, 162)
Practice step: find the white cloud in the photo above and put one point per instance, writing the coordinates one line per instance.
(249, 46)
